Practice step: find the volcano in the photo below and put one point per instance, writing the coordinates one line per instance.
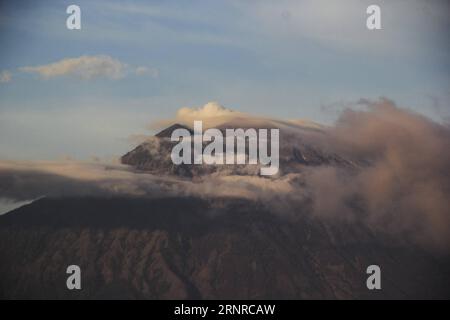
(194, 247)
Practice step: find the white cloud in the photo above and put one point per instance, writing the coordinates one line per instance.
(5, 76)
(84, 67)
(212, 114)
(209, 110)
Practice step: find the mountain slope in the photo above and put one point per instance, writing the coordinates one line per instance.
(194, 248)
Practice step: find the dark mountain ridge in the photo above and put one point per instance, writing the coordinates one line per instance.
(194, 248)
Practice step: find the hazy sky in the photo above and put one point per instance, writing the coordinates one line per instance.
(82, 93)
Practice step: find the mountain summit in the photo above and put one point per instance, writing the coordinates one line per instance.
(167, 132)
(296, 152)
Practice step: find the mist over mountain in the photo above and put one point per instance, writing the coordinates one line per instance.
(383, 164)
(372, 189)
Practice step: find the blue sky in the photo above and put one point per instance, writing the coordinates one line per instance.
(285, 59)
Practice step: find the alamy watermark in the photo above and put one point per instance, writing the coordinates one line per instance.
(373, 21)
(232, 152)
(73, 282)
(374, 280)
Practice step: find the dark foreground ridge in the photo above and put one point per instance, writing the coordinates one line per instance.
(186, 248)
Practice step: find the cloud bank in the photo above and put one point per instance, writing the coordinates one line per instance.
(399, 184)
(405, 185)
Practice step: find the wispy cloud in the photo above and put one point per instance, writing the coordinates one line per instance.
(214, 114)
(84, 67)
(88, 67)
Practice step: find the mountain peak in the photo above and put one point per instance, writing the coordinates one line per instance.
(166, 133)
